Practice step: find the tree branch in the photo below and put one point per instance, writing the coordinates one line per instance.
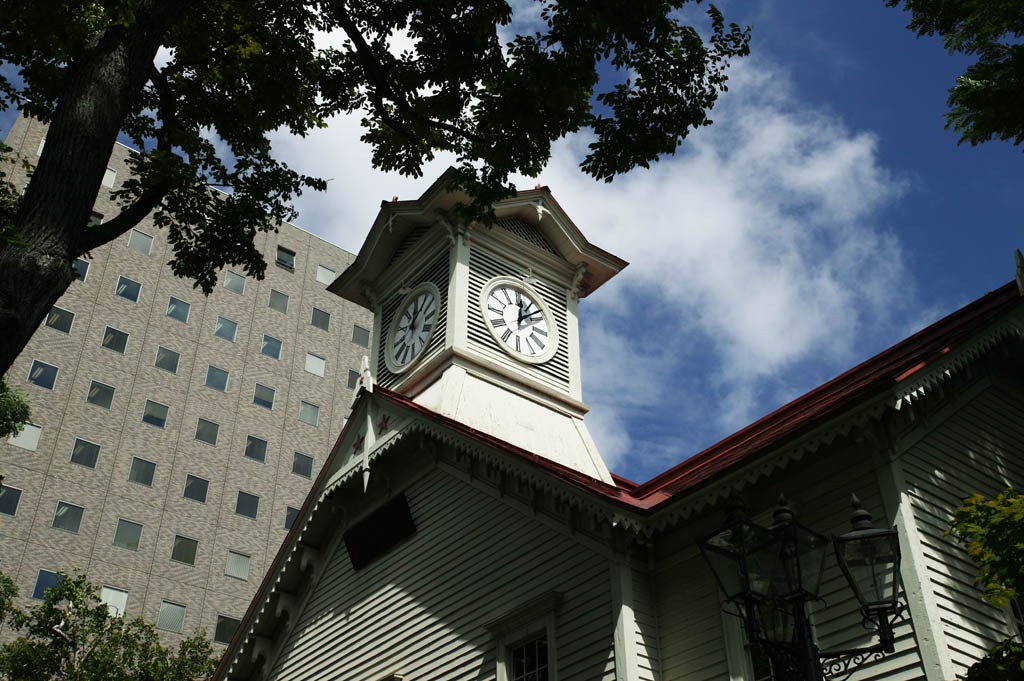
(95, 237)
(380, 87)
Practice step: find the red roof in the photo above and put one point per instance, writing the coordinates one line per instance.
(866, 380)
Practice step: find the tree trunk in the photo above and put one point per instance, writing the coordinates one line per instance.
(99, 92)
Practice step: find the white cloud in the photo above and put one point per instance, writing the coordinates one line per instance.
(758, 268)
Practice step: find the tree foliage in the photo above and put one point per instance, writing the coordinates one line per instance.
(14, 410)
(992, 531)
(229, 72)
(72, 636)
(988, 100)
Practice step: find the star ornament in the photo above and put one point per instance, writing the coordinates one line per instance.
(382, 423)
(358, 445)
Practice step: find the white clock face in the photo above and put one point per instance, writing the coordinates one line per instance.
(415, 322)
(519, 321)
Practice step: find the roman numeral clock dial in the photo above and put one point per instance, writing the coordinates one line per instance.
(412, 327)
(519, 320)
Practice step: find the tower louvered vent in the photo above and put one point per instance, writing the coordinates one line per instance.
(526, 232)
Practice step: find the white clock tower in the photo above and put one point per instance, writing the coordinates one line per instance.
(478, 323)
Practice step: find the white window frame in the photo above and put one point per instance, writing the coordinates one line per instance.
(227, 379)
(28, 438)
(55, 375)
(149, 248)
(183, 302)
(530, 620)
(248, 565)
(195, 435)
(317, 420)
(87, 265)
(118, 295)
(287, 300)
(184, 616)
(54, 519)
(127, 337)
(109, 177)
(323, 311)
(20, 492)
(71, 326)
(157, 355)
(330, 277)
(88, 442)
(142, 529)
(225, 284)
(273, 396)
(181, 562)
(105, 385)
(234, 333)
(114, 608)
(132, 464)
(323, 364)
(185, 487)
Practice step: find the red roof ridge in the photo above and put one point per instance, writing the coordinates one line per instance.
(882, 370)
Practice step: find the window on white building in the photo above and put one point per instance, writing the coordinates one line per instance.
(171, 617)
(237, 565)
(140, 241)
(28, 438)
(115, 599)
(325, 275)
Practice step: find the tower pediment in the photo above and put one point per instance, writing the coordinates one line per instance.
(399, 224)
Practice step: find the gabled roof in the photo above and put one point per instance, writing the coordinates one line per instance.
(397, 219)
(876, 377)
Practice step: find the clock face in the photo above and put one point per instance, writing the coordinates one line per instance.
(413, 326)
(519, 321)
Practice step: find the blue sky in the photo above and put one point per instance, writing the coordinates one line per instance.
(824, 216)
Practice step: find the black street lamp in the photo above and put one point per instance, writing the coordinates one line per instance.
(771, 573)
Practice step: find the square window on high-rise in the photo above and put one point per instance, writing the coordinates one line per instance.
(302, 465)
(167, 359)
(142, 471)
(114, 339)
(237, 565)
(360, 336)
(234, 282)
(353, 379)
(128, 289)
(315, 364)
(286, 258)
(45, 579)
(290, 514)
(115, 599)
(196, 488)
(278, 301)
(81, 268)
(67, 517)
(321, 319)
(178, 309)
(127, 534)
(140, 241)
(100, 394)
(206, 431)
(271, 347)
(263, 396)
(171, 617)
(109, 177)
(225, 329)
(60, 319)
(9, 498)
(39, 149)
(85, 453)
(184, 550)
(155, 414)
(216, 378)
(247, 505)
(42, 374)
(225, 630)
(28, 438)
(95, 219)
(256, 448)
(325, 275)
(309, 413)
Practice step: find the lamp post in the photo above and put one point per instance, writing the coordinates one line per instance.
(771, 573)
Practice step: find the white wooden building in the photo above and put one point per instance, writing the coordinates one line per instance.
(466, 527)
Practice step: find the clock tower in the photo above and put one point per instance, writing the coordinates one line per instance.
(479, 323)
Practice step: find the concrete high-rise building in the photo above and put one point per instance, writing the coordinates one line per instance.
(174, 436)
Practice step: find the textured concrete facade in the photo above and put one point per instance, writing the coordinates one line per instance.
(46, 476)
